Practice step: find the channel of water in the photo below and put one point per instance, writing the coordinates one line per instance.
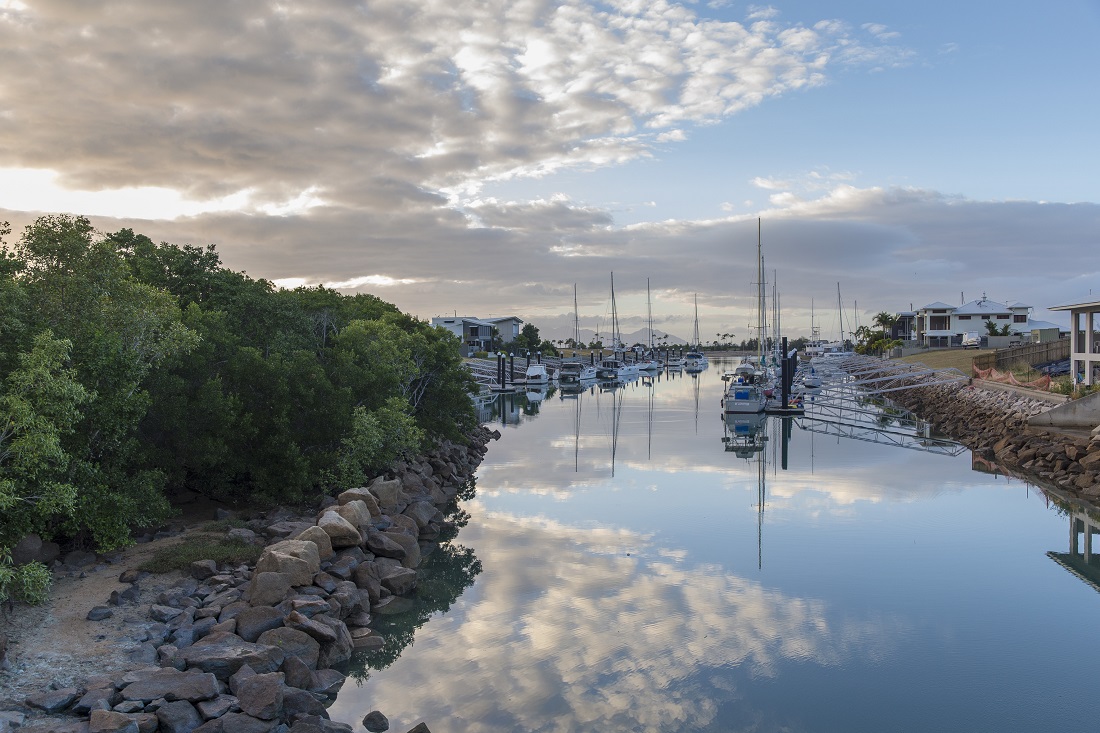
(630, 561)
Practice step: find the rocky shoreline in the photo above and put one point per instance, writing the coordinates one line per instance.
(253, 648)
(994, 424)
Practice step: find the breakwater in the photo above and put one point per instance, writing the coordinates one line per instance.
(994, 424)
(255, 648)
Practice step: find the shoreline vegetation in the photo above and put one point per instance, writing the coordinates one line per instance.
(132, 372)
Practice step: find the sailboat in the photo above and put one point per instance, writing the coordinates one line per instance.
(616, 366)
(649, 363)
(747, 388)
(575, 372)
(695, 361)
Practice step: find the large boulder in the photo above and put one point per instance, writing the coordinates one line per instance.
(341, 532)
(364, 495)
(223, 654)
(297, 558)
(108, 721)
(423, 512)
(409, 545)
(399, 581)
(356, 513)
(261, 695)
(391, 496)
(380, 544)
(293, 642)
(255, 620)
(178, 717)
(267, 589)
(171, 684)
(319, 537)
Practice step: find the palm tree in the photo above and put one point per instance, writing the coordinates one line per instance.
(885, 321)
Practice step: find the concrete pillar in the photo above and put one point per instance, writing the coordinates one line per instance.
(1073, 535)
(1088, 540)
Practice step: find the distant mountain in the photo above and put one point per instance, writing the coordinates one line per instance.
(641, 336)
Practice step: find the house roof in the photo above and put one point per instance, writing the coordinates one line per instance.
(938, 306)
(1043, 325)
(981, 306)
(1090, 302)
(1019, 304)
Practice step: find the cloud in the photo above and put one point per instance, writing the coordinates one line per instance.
(609, 632)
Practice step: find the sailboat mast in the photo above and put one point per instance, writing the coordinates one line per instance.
(576, 320)
(649, 313)
(614, 318)
(760, 304)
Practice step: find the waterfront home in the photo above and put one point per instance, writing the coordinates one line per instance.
(477, 333)
(940, 324)
(1084, 328)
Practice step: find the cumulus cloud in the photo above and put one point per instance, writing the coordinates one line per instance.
(341, 144)
(609, 632)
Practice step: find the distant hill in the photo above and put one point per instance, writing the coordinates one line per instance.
(641, 336)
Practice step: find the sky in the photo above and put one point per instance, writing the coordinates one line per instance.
(483, 158)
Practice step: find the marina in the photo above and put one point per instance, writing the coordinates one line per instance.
(648, 562)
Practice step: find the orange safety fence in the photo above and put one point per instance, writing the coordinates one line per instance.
(993, 375)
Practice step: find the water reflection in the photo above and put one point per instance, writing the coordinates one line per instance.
(626, 583)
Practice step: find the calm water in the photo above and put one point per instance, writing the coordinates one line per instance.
(621, 570)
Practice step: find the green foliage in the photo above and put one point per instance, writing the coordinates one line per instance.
(29, 583)
(130, 369)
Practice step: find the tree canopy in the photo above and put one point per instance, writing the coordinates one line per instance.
(130, 371)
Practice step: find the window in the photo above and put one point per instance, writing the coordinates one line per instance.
(1017, 318)
(964, 318)
(985, 318)
(939, 311)
(1002, 318)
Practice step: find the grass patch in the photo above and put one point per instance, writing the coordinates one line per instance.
(224, 525)
(201, 547)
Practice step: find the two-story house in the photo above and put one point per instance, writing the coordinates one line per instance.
(940, 324)
(477, 333)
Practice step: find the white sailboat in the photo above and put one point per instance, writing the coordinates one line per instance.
(574, 371)
(747, 386)
(695, 360)
(615, 366)
(649, 363)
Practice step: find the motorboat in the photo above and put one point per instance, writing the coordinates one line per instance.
(537, 374)
(746, 391)
(573, 372)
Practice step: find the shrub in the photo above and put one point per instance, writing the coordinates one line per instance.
(29, 583)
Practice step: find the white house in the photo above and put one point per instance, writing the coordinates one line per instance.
(1084, 330)
(940, 324)
(476, 334)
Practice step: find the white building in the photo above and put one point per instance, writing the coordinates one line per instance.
(940, 324)
(1084, 328)
(476, 334)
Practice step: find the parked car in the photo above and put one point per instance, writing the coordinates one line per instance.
(972, 340)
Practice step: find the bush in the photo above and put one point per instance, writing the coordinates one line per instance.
(201, 547)
(29, 583)
(481, 355)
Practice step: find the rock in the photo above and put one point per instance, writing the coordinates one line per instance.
(95, 699)
(327, 682)
(298, 703)
(203, 569)
(376, 722)
(380, 544)
(293, 642)
(237, 723)
(341, 532)
(338, 651)
(255, 620)
(108, 721)
(243, 534)
(399, 581)
(131, 576)
(285, 529)
(224, 654)
(172, 685)
(390, 495)
(98, 613)
(420, 727)
(319, 631)
(178, 717)
(423, 512)
(356, 512)
(409, 545)
(319, 537)
(26, 550)
(163, 613)
(216, 708)
(267, 589)
(364, 495)
(261, 695)
(53, 701)
(367, 639)
(298, 559)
